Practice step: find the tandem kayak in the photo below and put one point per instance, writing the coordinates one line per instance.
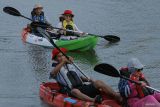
(49, 93)
(80, 44)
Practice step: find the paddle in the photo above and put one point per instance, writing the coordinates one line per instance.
(15, 12)
(47, 36)
(110, 38)
(108, 69)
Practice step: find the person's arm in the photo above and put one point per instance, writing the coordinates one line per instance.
(59, 66)
(84, 79)
(77, 29)
(57, 69)
(59, 25)
(142, 78)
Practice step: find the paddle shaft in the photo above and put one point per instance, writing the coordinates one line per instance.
(153, 89)
(130, 80)
(27, 18)
(52, 42)
(79, 32)
(15, 12)
(138, 83)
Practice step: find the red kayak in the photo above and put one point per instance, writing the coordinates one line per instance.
(49, 93)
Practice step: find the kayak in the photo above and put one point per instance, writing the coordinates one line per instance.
(49, 93)
(84, 43)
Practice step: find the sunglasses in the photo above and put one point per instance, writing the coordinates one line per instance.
(139, 69)
(68, 15)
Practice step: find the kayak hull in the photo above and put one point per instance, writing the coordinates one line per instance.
(85, 43)
(49, 93)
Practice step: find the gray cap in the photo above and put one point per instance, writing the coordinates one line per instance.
(133, 64)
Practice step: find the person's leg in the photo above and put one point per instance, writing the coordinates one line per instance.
(107, 90)
(77, 93)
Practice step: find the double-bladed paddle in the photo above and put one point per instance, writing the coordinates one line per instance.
(47, 36)
(15, 12)
(109, 70)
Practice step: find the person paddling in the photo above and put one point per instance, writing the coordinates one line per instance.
(37, 14)
(137, 95)
(69, 77)
(68, 24)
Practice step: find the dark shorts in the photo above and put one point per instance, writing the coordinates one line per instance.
(89, 90)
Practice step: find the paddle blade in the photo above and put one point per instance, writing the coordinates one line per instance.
(107, 69)
(11, 11)
(111, 38)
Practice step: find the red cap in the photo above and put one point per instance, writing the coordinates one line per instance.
(55, 52)
(68, 12)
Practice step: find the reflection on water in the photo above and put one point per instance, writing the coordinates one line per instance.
(89, 57)
(111, 44)
(39, 58)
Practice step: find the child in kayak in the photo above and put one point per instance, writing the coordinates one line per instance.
(37, 14)
(137, 95)
(68, 24)
(69, 77)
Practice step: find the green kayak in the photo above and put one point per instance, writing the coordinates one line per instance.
(80, 44)
(83, 43)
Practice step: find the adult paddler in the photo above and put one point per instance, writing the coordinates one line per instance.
(69, 77)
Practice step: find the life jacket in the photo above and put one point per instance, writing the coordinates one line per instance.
(39, 18)
(124, 86)
(68, 26)
(70, 76)
(142, 91)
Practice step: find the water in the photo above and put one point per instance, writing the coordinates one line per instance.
(23, 66)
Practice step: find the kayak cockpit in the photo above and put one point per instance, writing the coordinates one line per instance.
(49, 92)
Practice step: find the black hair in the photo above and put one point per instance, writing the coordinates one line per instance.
(61, 19)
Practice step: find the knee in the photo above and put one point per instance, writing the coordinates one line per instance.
(98, 83)
(75, 91)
